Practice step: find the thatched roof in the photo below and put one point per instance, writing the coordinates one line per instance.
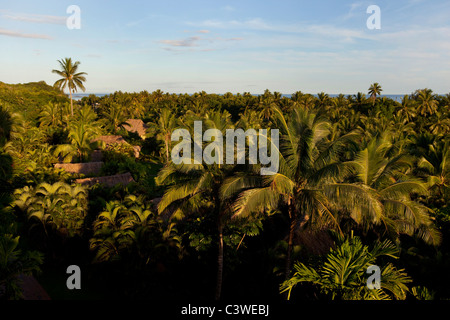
(110, 139)
(108, 181)
(136, 125)
(113, 139)
(84, 168)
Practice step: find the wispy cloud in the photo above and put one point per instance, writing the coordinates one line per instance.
(258, 24)
(188, 42)
(36, 18)
(254, 23)
(12, 33)
(196, 43)
(355, 9)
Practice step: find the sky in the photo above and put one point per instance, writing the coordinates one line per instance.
(219, 46)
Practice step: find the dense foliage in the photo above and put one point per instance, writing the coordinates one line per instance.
(362, 180)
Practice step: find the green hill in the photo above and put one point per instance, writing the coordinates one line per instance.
(28, 98)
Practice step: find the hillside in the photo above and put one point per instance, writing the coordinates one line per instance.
(29, 97)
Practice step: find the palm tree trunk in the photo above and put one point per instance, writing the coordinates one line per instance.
(167, 148)
(290, 245)
(219, 263)
(71, 102)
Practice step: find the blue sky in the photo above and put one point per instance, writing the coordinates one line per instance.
(186, 46)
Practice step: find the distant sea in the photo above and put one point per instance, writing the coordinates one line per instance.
(396, 97)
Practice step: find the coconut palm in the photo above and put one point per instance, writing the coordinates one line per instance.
(323, 100)
(197, 187)
(406, 110)
(81, 136)
(115, 117)
(307, 163)
(434, 165)
(342, 273)
(266, 104)
(375, 90)
(441, 126)
(164, 127)
(426, 102)
(71, 79)
(111, 232)
(381, 193)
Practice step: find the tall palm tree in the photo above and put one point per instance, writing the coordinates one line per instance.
(164, 127)
(375, 90)
(198, 187)
(70, 78)
(307, 163)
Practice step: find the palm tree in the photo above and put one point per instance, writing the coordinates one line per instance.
(441, 126)
(434, 165)
(427, 103)
(112, 232)
(266, 104)
(381, 195)
(323, 100)
(307, 163)
(198, 187)
(375, 90)
(406, 110)
(70, 78)
(81, 136)
(164, 127)
(342, 274)
(115, 117)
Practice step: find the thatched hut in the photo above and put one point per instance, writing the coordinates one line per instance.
(108, 181)
(83, 168)
(136, 125)
(116, 139)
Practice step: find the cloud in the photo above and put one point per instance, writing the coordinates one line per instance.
(36, 18)
(188, 42)
(355, 9)
(11, 33)
(254, 23)
(195, 43)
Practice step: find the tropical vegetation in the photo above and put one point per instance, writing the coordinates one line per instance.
(363, 180)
